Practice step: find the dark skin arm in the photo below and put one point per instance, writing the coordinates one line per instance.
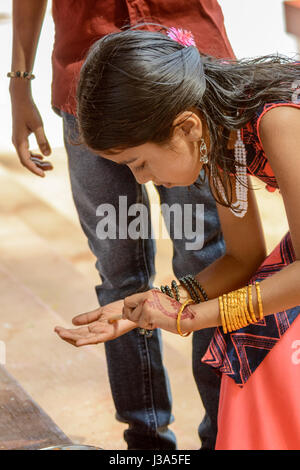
(28, 17)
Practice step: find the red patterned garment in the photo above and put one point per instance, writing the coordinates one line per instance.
(238, 354)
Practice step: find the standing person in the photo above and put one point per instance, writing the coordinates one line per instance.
(125, 266)
(192, 110)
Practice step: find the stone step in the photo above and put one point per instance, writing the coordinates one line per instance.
(69, 384)
(23, 424)
(35, 298)
(52, 217)
(49, 276)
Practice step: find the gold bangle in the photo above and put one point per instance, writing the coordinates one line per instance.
(238, 299)
(236, 310)
(242, 312)
(232, 313)
(248, 316)
(241, 308)
(260, 306)
(222, 314)
(251, 303)
(187, 302)
(229, 310)
(226, 314)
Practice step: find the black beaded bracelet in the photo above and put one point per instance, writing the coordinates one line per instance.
(194, 287)
(169, 292)
(194, 280)
(190, 289)
(175, 288)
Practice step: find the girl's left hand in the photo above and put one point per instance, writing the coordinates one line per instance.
(95, 326)
(153, 309)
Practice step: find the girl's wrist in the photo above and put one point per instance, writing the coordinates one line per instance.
(183, 293)
(191, 322)
(205, 315)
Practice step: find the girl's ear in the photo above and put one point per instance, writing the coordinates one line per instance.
(188, 125)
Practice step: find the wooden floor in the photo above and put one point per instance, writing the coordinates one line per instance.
(47, 276)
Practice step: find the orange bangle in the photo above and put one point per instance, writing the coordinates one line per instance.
(239, 306)
(226, 314)
(248, 316)
(236, 310)
(233, 312)
(222, 315)
(251, 304)
(187, 302)
(260, 306)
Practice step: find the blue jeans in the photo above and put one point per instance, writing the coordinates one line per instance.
(139, 382)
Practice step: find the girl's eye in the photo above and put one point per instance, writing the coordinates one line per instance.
(139, 168)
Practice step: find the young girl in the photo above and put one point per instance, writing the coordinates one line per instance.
(151, 101)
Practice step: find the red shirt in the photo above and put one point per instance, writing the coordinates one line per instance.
(79, 23)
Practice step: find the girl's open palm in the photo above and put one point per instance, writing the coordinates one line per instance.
(97, 328)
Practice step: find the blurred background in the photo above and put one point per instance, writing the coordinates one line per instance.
(47, 271)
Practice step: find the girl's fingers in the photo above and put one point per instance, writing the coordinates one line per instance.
(115, 318)
(81, 334)
(133, 300)
(72, 334)
(89, 317)
(68, 340)
(95, 339)
(73, 343)
(67, 335)
(133, 313)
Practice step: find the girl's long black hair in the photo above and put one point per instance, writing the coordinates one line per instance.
(134, 83)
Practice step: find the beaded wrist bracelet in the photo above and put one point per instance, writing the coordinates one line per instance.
(19, 74)
(173, 293)
(190, 288)
(175, 288)
(191, 285)
(194, 280)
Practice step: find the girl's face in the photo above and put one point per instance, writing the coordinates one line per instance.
(173, 164)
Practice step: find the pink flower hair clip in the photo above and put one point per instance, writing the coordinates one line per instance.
(182, 36)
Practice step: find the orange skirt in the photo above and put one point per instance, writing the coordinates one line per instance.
(265, 413)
